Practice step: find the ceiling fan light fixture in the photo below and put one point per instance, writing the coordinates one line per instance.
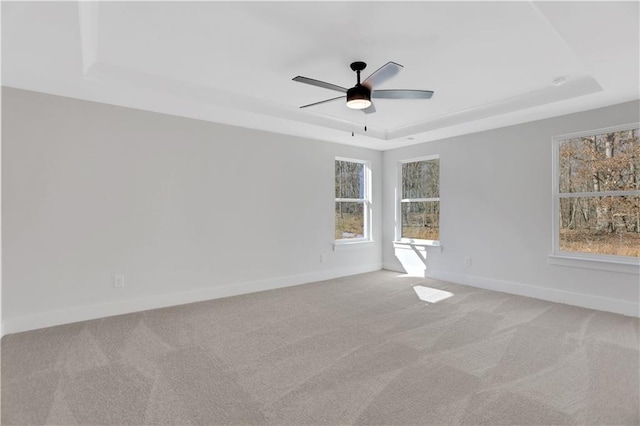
(359, 97)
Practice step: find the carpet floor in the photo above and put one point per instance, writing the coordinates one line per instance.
(364, 349)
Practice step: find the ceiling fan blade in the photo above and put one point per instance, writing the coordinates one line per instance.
(382, 74)
(370, 110)
(402, 94)
(322, 102)
(319, 83)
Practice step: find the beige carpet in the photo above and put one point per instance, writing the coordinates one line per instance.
(356, 350)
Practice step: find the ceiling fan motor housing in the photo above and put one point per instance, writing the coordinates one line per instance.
(359, 97)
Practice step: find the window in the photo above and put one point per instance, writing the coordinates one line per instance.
(353, 200)
(419, 204)
(596, 194)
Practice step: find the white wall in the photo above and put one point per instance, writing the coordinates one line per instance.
(1, 317)
(92, 190)
(185, 209)
(495, 195)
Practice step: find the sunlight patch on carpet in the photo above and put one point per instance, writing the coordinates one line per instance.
(431, 295)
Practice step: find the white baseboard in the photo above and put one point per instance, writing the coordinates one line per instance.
(88, 312)
(550, 294)
(393, 267)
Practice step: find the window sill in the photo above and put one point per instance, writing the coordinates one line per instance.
(418, 243)
(630, 266)
(350, 244)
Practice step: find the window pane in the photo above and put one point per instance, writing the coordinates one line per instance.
(421, 179)
(421, 220)
(349, 220)
(349, 179)
(600, 225)
(606, 162)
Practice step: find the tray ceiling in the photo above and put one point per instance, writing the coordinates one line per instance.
(490, 64)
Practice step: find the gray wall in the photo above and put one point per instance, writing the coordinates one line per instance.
(189, 210)
(496, 208)
(185, 209)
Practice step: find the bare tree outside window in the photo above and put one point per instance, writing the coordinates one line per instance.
(599, 193)
(420, 203)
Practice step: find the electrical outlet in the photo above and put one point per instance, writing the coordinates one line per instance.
(467, 261)
(118, 281)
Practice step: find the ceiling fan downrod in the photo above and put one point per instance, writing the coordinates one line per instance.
(357, 67)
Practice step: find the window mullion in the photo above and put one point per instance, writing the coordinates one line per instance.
(350, 200)
(419, 200)
(597, 194)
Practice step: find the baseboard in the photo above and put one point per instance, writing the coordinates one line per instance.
(393, 267)
(88, 312)
(552, 295)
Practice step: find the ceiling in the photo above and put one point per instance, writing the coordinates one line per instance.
(491, 64)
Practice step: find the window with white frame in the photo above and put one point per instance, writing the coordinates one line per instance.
(353, 200)
(419, 200)
(596, 194)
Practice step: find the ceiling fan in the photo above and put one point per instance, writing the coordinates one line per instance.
(360, 95)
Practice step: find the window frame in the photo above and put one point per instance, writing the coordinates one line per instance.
(366, 201)
(399, 200)
(582, 259)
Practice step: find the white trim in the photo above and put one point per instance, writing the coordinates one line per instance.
(597, 194)
(352, 244)
(599, 303)
(88, 15)
(397, 232)
(622, 264)
(351, 160)
(393, 267)
(88, 312)
(596, 132)
(419, 200)
(471, 117)
(423, 158)
(555, 190)
(418, 243)
(350, 200)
